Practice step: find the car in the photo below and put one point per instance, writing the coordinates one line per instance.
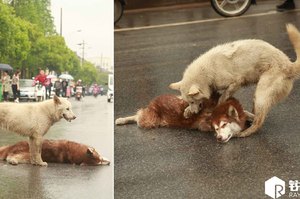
(27, 90)
(110, 91)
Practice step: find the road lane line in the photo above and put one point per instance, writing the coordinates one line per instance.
(200, 21)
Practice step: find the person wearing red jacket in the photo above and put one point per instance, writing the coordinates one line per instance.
(41, 77)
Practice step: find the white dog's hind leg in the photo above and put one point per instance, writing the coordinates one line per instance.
(35, 148)
(257, 123)
(126, 120)
(271, 88)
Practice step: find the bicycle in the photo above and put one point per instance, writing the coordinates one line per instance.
(231, 8)
(119, 6)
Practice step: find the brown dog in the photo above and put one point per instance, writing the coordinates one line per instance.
(167, 111)
(227, 119)
(55, 151)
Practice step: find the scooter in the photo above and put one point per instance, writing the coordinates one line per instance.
(78, 93)
(40, 92)
(96, 91)
(231, 8)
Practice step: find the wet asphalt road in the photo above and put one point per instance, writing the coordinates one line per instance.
(175, 163)
(93, 126)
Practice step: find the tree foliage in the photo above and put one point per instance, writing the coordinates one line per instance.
(28, 42)
(36, 12)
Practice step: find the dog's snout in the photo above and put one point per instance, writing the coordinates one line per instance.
(74, 117)
(219, 138)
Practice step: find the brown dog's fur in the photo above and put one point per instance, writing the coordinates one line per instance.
(167, 111)
(230, 111)
(55, 151)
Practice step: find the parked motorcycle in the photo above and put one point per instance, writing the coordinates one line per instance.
(231, 8)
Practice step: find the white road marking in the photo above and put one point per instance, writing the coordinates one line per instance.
(200, 21)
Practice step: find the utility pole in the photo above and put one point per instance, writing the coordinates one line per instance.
(60, 22)
(82, 58)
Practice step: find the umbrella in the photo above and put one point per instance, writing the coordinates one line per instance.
(51, 76)
(5, 67)
(66, 76)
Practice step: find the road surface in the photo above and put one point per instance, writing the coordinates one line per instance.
(176, 163)
(93, 126)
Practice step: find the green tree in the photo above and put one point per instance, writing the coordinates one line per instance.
(89, 74)
(28, 41)
(36, 12)
(14, 40)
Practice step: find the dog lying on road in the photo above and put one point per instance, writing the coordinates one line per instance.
(229, 66)
(34, 120)
(55, 151)
(228, 118)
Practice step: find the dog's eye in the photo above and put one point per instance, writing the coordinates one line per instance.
(67, 109)
(192, 102)
(223, 125)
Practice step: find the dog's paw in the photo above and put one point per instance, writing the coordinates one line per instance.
(39, 163)
(12, 161)
(120, 121)
(187, 112)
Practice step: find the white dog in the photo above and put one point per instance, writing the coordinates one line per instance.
(34, 120)
(229, 66)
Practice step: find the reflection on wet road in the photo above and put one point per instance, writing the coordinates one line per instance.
(93, 126)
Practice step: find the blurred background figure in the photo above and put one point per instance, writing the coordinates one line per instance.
(15, 85)
(64, 85)
(48, 85)
(5, 85)
(41, 77)
(286, 5)
(57, 87)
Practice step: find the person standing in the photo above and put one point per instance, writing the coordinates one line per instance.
(41, 77)
(6, 85)
(48, 85)
(15, 85)
(64, 87)
(57, 87)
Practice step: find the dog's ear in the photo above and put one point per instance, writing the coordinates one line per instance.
(56, 100)
(232, 112)
(194, 90)
(89, 151)
(175, 86)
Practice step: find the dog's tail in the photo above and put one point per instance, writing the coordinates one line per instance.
(294, 36)
(3, 152)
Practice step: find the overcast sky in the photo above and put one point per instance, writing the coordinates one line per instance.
(88, 20)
